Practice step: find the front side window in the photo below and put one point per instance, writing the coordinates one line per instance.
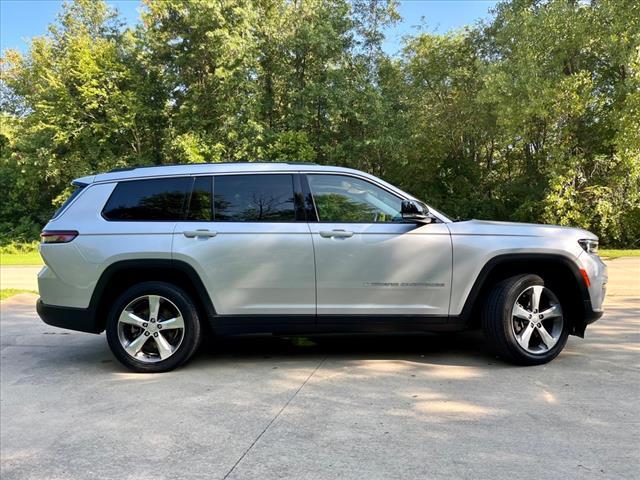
(254, 198)
(160, 199)
(345, 199)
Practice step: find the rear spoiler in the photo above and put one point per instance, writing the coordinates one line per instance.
(83, 181)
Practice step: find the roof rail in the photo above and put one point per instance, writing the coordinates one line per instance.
(126, 169)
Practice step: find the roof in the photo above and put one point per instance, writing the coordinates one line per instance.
(207, 168)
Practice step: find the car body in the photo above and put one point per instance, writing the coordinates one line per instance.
(297, 249)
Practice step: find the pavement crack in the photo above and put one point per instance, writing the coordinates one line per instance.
(284, 407)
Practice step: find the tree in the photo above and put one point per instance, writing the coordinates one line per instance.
(533, 115)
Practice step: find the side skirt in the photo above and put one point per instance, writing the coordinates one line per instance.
(327, 324)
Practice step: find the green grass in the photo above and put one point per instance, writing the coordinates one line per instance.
(24, 258)
(10, 292)
(612, 253)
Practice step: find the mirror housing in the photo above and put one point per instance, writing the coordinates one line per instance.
(414, 211)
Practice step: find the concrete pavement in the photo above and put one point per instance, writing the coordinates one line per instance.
(624, 277)
(344, 407)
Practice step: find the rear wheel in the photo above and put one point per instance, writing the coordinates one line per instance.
(523, 321)
(153, 327)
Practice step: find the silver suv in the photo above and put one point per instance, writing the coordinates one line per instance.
(153, 255)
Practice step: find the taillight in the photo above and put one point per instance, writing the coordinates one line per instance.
(57, 236)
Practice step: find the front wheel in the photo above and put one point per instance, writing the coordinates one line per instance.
(523, 321)
(153, 327)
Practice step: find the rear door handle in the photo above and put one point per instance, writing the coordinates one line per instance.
(335, 234)
(199, 233)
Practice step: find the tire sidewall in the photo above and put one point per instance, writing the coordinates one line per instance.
(192, 327)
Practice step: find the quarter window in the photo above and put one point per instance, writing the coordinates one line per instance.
(344, 199)
(159, 199)
(254, 198)
(69, 199)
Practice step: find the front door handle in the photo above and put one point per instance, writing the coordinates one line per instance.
(199, 233)
(335, 234)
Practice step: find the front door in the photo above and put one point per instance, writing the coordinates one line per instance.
(371, 263)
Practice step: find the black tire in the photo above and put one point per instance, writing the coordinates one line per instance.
(497, 322)
(192, 328)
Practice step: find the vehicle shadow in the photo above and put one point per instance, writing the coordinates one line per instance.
(464, 348)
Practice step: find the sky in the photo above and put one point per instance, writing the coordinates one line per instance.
(22, 19)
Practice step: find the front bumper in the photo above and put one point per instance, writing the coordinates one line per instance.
(597, 272)
(594, 293)
(591, 315)
(80, 319)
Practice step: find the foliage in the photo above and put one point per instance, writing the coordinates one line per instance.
(11, 248)
(532, 116)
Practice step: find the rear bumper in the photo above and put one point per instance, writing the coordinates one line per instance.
(80, 319)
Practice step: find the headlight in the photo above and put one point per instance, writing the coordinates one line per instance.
(590, 246)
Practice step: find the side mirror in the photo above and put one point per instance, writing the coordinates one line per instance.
(415, 212)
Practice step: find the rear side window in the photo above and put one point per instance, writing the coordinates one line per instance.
(160, 199)
(200, 208)
(254, 198)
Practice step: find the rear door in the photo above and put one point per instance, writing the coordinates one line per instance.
(247, 237)
(369, 262)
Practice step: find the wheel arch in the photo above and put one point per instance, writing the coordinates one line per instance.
(558, 272)
(123, 274)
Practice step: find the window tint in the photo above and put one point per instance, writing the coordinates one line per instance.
(200, 203)
(341, 198)
(159, 199)
(254, 198)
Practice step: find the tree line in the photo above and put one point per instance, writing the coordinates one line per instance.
(532, 115)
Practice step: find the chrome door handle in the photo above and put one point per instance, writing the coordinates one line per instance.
(335, 234)
(199, 233)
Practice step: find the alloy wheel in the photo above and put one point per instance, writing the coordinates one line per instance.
(537, 320)
(150, 328)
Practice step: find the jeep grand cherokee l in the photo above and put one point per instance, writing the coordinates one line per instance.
(151, 254)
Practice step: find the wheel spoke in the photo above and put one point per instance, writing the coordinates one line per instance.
(535, 297)
(525, 336)
(136, 345)
(548, 340)
(173, 323)
(131, 319)
(553, 311)
(154, 306)
(521, 312)
(164, 347)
